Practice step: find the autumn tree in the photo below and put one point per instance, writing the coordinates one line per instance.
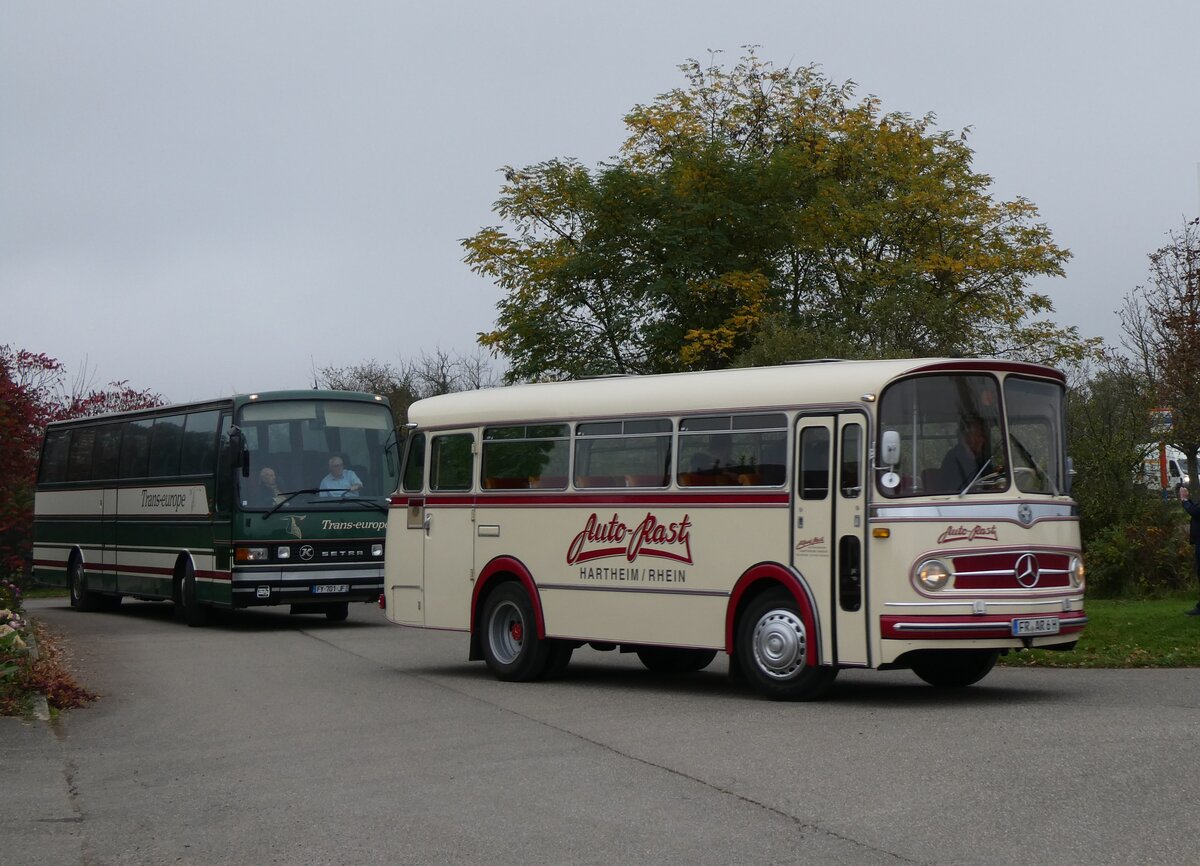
(1161, 326)
(34, 390)
(759, 214)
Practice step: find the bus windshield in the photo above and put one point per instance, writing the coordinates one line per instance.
(955, 440)
(326, 453)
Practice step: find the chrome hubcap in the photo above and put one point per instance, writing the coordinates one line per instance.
(780, 644)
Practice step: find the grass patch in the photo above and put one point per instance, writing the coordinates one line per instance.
(1150, 633)
(46, 592)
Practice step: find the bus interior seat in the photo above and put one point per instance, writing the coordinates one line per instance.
(497, 482)
(600, 481)
(548, 482)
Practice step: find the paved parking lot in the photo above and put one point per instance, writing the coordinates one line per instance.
(274, 739)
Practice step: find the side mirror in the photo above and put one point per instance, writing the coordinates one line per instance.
(890, 452)
(237, 447)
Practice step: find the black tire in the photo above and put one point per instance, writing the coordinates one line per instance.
(773, 649)
(188, 609)
(675, 660)
(954, 669)
(338, 611)
(82, 598)
(511, 647)
(560, 656)
(110, 602)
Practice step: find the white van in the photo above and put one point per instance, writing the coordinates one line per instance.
(1163, 467)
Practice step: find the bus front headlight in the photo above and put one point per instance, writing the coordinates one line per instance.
(932, 574)
(250, 554)
(1078, 572)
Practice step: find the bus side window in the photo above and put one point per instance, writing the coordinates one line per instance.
(451, 463)
(851, 458)
(414, 464)
(814, 463)
(106, 462)
(135, 448)
(165, 446)
(79, 461)
(54, 457)
(199, 444)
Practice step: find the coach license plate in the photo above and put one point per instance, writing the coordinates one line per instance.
(1040, 625)
(323, 588)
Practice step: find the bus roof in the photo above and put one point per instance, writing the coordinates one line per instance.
(232, 400)
(823, 382)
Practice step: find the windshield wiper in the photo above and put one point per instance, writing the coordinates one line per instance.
(287, 497)
(1033, 463)
(976, 477)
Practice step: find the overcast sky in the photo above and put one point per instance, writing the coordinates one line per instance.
(209, 197)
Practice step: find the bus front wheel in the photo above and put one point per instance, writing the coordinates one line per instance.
(511, 647)
(773, 650)
(954, 669)
(189, 609)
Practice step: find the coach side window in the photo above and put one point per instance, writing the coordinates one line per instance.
(135, 448)
(451, 462)
(54, 457)
(165, 446)
(199, 443)
(106, 459)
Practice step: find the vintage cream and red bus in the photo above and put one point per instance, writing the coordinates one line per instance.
(802, 518)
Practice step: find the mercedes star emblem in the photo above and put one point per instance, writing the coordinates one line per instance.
(1027, 572)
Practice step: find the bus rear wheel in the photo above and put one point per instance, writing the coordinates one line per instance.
(773, 650)
(511, 647)
(674, 660)
(81, 597)
(337, 612)
(954, 669)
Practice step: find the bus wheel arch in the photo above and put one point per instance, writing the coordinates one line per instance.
(81, 597)
(187, 607)
(502, 569)
(773, 636)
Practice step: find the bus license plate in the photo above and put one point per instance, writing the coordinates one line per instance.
(323, 588)
(1041, 625)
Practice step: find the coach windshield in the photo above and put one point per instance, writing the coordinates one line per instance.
(331, 451)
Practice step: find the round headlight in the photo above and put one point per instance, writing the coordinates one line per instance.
(1077, 571)
(932, 574)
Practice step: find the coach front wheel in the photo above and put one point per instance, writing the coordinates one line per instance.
(773, 650)
(511, 647)
(189, 609)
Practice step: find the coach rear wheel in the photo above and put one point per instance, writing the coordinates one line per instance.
(954, 669)
(511, 647)
(81, 597)
(773, 650)
(675, 660)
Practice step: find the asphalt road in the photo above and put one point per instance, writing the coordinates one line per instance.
(266, 738)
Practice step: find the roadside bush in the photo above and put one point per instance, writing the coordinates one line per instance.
(24, 674)
(1142, 557)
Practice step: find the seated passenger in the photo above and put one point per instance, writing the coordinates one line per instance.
(340, 481)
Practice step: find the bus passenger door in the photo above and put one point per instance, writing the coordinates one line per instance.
(827, 530)
(448, 530)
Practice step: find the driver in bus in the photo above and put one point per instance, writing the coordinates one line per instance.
(339, 479)
(967, 458)
(266, 492)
